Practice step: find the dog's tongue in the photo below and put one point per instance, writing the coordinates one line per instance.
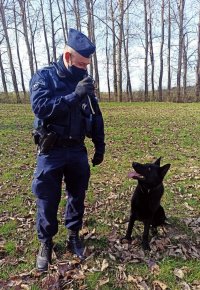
(134, 174)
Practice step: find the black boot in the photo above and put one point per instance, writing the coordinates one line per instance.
(44, 255)
(75, 245)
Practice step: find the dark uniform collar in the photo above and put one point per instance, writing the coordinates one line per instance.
(61, 69)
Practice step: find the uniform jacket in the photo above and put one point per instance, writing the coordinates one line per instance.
(56, 105)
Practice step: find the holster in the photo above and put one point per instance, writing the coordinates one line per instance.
(47, 143)
(44, 139)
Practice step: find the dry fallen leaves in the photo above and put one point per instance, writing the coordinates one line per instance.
(179, 273)
(158, 285)
(104, 265)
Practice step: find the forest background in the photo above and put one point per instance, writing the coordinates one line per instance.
(146, 50)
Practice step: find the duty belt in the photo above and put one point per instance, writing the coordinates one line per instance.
(61, 142)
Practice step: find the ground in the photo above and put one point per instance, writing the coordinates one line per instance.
(134, 132)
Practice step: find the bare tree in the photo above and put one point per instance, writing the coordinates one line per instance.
(169, 50)
(107, 55)
(65, 18)
(185, 66)
(62, 20)
(181, 6)
(45, 31)
(33, 26)
(89, 26)
(146, 52)
(18, 49)
(96, 69)
(53, 33)
(126, 54)
(91, 33)
(112, 11)
(3, 75)
(151, 52)
(161, 51)
(77, 14)
(9, 50)
(197, 91)
(120, 45)
(22, 4)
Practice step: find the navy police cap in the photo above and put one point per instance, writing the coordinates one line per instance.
(80, 43)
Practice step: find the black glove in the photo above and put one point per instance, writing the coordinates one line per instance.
(85, 87)
(97, 159)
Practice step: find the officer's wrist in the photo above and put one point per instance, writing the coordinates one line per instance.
(78, 95)
(71, 98)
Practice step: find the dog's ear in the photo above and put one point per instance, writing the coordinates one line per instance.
(157, 162)
(164, 169)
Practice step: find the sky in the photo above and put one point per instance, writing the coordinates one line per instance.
(136, 53)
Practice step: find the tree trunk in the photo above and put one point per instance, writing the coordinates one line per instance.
(3, 77)
(151, 50)
(77, 14)
(185, 49)
(13, 74)
(52, 30)
(120, 44)
(62, 21)
(169, 51)
(65, 18)
(96, 69)
(114, 51)
(126, 54)
(45, 32)
(107, 55)
(18, 51)
(197, 91)
(25, 30)
(180, 48)
(146, 53)
(89, 28)
(32, 33)
(161, 53)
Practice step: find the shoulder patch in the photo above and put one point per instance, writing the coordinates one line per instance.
(38, 84)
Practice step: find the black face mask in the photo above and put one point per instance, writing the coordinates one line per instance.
(78, 73)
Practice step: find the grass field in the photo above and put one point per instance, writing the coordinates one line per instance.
(134, 132)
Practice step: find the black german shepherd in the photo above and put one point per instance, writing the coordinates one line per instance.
(145, 203)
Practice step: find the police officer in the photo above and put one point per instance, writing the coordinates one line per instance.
(66, 111)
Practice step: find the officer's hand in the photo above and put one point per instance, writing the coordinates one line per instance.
(97, 159)
(85, 87)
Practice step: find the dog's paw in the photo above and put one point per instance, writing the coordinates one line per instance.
(145, 246)
(126, 240)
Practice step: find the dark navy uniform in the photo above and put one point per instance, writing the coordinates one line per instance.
(58, 108)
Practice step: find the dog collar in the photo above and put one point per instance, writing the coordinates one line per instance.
(145, 189)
